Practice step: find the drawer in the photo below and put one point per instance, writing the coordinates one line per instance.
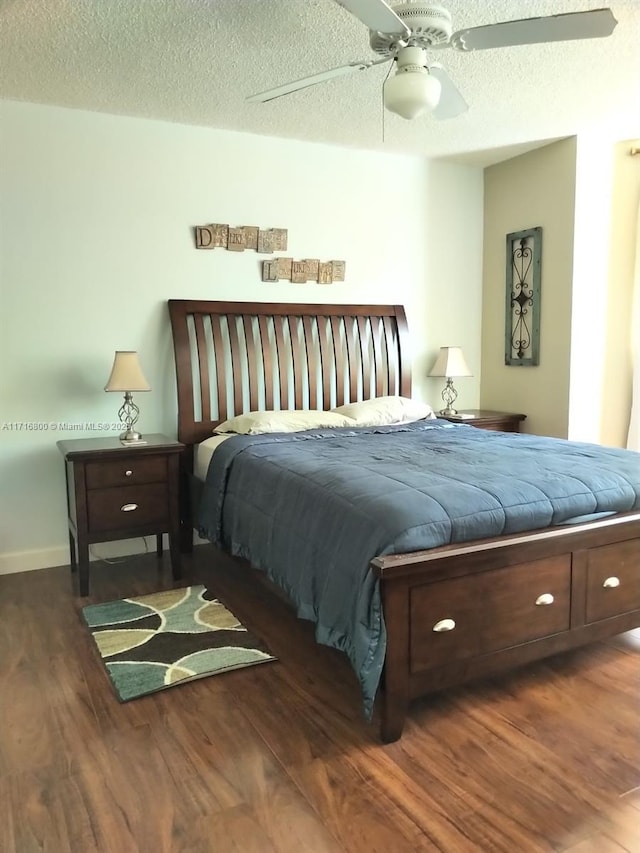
(145, 504)
(124, 472)
(613, 580)
(498, 426)
(489, 611)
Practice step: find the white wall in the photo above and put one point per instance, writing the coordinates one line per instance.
(617, 366)
(96, 217)
(592, 242)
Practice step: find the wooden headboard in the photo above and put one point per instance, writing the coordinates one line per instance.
(235, 357)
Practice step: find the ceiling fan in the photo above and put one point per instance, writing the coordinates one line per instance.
(403, 33)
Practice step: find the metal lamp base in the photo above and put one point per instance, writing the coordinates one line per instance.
(128, 415)
(449, 395)
(130, 435)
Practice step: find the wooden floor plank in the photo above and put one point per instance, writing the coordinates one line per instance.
(278, 758)
(30, 817)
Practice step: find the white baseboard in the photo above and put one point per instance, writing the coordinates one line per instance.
(46, 558)
(28, 561)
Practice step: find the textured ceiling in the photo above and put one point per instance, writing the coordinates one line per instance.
(195, 61)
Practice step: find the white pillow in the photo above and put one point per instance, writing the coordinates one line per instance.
(256, 423)
(386, 410)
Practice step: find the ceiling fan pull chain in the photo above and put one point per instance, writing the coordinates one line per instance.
(382, 106)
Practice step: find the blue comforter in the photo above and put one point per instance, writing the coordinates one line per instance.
(312, 509)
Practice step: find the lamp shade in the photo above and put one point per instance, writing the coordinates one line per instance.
(412, 90)
(126, 373)
(450, 362)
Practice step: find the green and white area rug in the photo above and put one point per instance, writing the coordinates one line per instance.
(167, 638)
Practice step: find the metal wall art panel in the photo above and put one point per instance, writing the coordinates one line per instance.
(522, 329)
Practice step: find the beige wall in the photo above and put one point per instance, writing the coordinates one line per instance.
(535, 189)
(616, 394)
(584, 192)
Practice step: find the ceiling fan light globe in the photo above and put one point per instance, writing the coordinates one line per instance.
(410, 93)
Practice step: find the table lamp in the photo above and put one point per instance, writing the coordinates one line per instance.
(450, 363)
(127, 376)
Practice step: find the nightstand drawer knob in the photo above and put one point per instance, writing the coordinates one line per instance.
(128, 473)
(545, 598)
(128, 507)
(611, 583)
(444, 625)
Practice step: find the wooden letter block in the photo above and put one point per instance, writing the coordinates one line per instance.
(204, 237)
(279, 239)
(265, 242)
(325, 273)
(220, 235)
(338, 270)
(270, 270)
(284, 268)
(312, 268)
(251, 236)
(237, 240)
(299, 272)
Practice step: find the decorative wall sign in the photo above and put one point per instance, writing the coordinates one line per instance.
(522, 328)
(300, 272)
(215, 236)
(265, 242)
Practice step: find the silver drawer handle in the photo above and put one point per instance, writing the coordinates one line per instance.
(444, 625)
(128, 473)
(128, 507)
(545, 598)
(611, 583)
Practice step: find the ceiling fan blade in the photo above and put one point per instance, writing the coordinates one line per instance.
(451, 103)
(376, 15)
(574, 25)
(305, 82)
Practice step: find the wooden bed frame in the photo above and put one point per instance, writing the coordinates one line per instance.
(452, 613)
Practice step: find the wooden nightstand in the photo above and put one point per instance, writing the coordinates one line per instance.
(121, 492)
(485, 419)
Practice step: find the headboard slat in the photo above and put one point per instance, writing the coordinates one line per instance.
(314, 400)
(364, 329)
(283, 373)
(325, 360)
(267, 362)
(308, 356)
(340, 360)
(203, 361)
(299, 362)
(390, 350)
(221, 377)
(236, 363)
(353, 357)
(379, 366)
(252, 362)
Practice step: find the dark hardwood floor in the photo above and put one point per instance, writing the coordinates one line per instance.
(278, 758)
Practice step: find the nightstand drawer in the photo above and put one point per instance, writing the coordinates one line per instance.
(487, 419)
(504, 425)
(126, 472)
(127, 507)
